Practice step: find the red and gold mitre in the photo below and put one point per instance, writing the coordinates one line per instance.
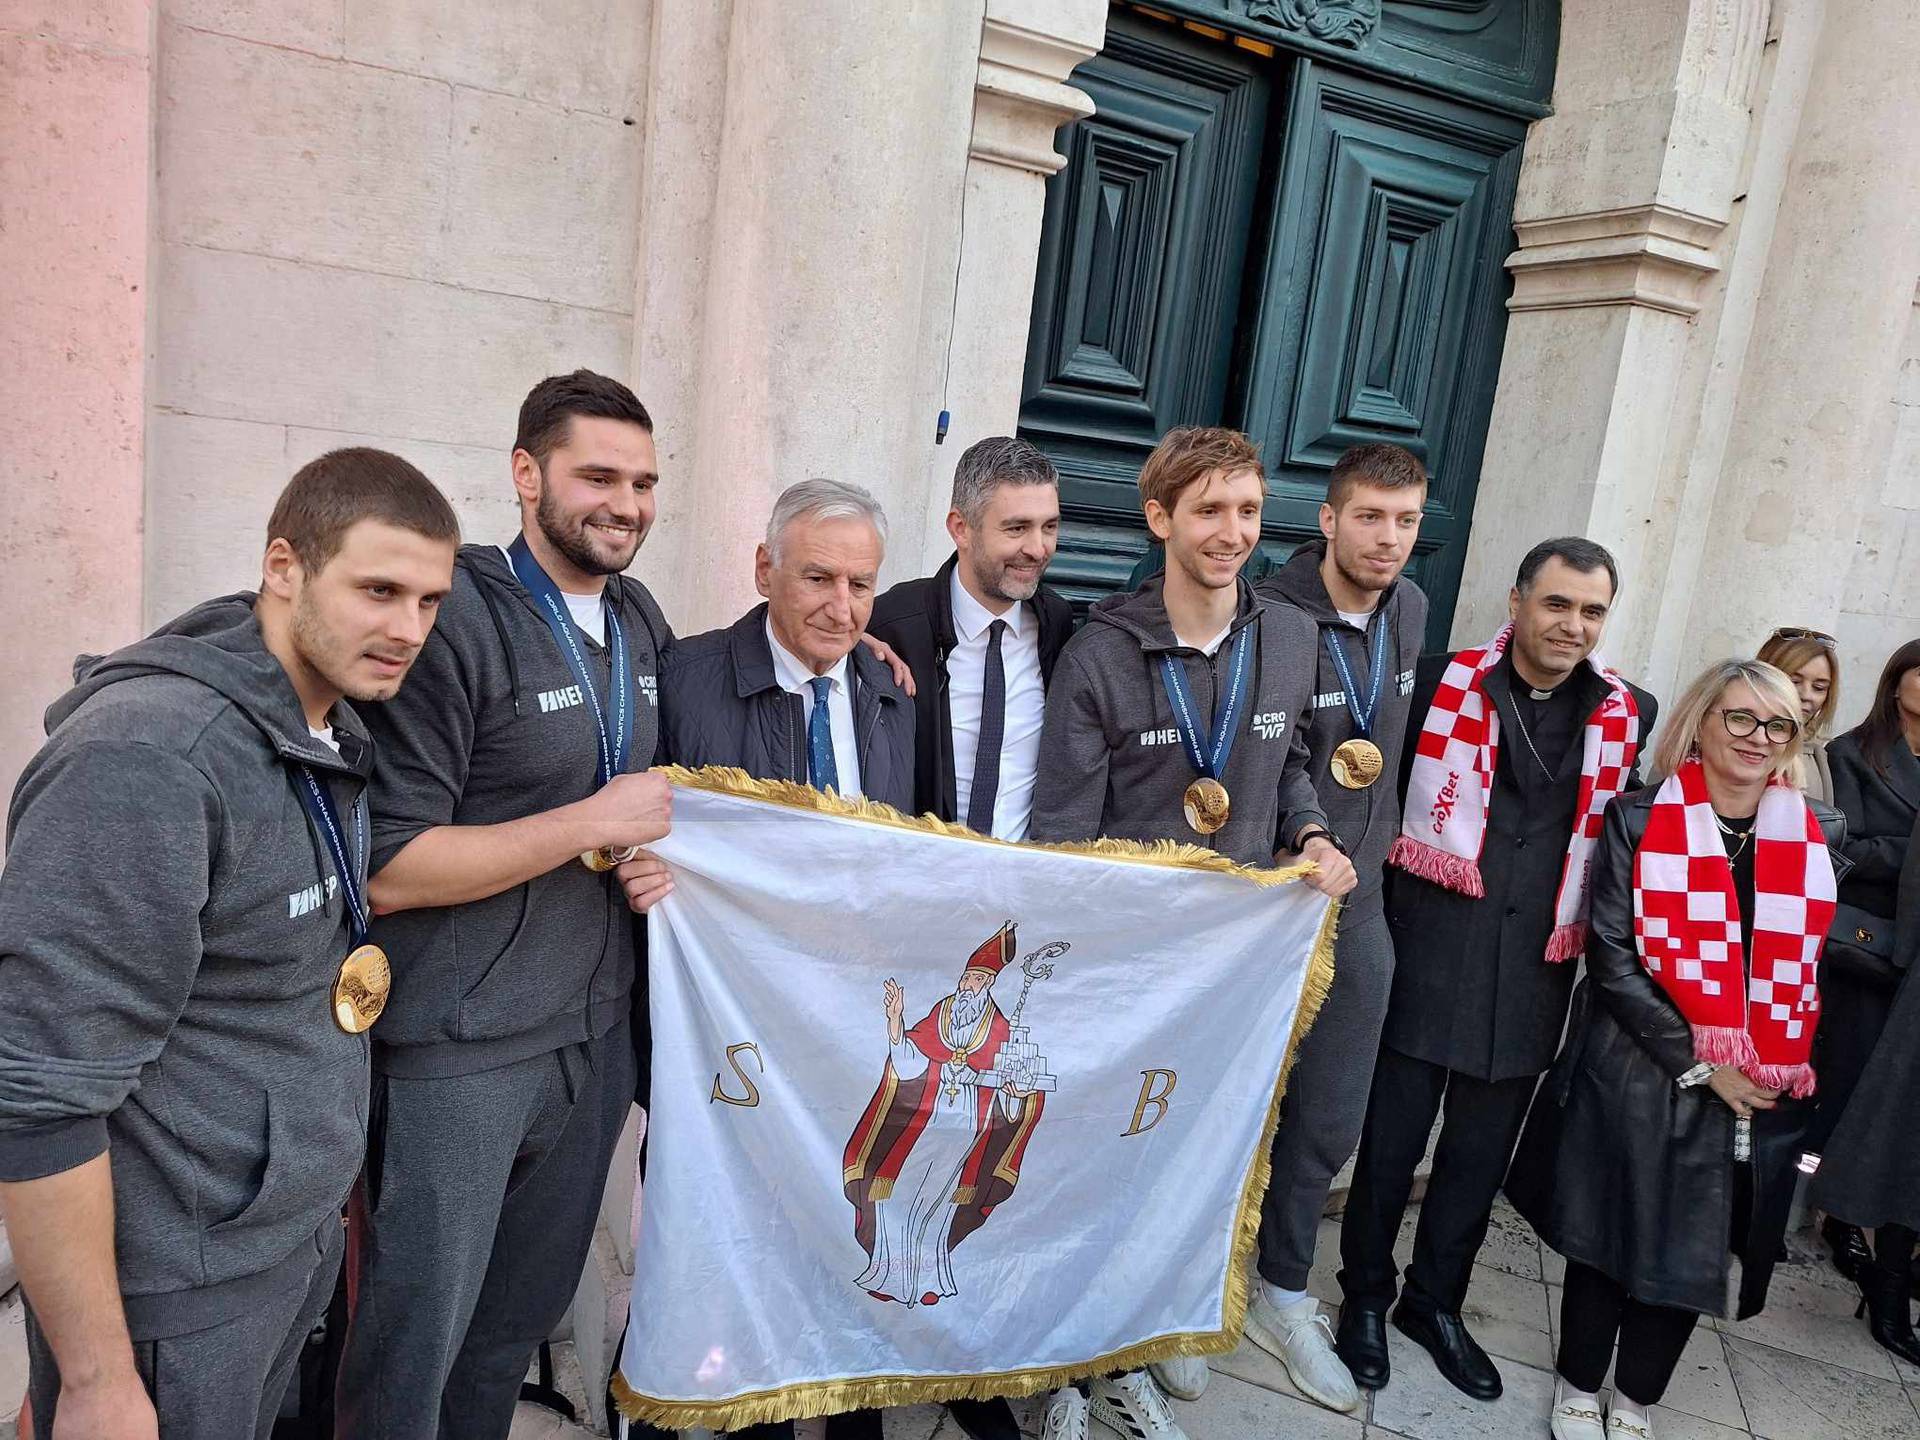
(995, 952)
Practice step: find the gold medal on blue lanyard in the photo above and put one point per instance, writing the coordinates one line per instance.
(360, 989)
(1206, 804)
(613, 719)
(1357, 762)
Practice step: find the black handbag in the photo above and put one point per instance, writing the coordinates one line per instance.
(1860, 945)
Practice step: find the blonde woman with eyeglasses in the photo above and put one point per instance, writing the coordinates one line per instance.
(1667, 1133)
(1811, 660)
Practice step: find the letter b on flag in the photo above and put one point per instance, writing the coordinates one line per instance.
(1155, 1087)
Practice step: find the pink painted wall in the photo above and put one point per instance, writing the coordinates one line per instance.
(75, 105)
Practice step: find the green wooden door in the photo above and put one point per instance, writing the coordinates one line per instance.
(1288, 233)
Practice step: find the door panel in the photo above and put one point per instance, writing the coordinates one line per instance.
(1138, 287)
(1328, 276)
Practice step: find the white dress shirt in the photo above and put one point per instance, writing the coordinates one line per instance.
(797, 679)
(1026, 707)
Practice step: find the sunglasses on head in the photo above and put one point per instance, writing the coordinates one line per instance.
(1794, 632)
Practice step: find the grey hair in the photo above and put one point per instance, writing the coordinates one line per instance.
(823, 500)
(988, 464)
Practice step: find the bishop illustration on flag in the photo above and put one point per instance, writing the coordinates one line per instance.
(895, 1157)
(940, 1145)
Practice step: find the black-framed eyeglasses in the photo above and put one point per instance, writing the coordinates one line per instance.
(1794, 632)
(1742, 723)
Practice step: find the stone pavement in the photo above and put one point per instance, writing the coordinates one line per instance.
(1805, 1369)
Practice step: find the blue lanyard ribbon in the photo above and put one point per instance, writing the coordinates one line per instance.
(319, 807)
(1208, 755)
(616, 730)
(1376, 672)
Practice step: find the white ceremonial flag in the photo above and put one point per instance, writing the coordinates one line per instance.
(935, 1115)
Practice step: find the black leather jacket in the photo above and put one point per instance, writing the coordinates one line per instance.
(1621, 1169)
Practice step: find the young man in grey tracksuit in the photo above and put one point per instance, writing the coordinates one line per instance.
(506, 792)
(183, 1084)
(1193, 663)
(1368, 620)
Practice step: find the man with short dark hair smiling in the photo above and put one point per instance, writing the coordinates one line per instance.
(507, 792)
(188, 981)
(981, 636)
(1513, 751)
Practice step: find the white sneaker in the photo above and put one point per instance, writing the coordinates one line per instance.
(1575, 1417)
(1184, 1377)
(1066, 1416)
(1300, 1338)
(1134, 1406)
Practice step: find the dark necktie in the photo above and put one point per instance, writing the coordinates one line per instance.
(821, 770)
(993, 726)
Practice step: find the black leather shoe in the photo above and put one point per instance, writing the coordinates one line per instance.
(1361, 1344)
(985, 1419)
(1456, 1354)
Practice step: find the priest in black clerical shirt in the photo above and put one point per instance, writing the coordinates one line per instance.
(1477, 1010)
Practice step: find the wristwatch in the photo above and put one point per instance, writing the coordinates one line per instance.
(1698, 1075)
(1319, 832)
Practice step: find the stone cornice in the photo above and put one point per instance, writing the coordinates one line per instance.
(1020, 98)
(1647, 255)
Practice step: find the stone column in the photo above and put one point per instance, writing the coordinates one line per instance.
(75, 136)
(1809, 524)
(837, 143)
(1027, 50)
(1624, 194)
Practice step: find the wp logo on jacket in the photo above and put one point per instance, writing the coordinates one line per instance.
(1270, 724)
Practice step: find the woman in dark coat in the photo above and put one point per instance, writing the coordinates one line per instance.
(1667, 1133)
(1870, 1172)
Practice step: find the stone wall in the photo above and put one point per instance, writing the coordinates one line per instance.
(379, 221)
(1709, 361)
(75, 195)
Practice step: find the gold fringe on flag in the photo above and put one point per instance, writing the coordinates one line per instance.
(832, 1397)
(726, 780)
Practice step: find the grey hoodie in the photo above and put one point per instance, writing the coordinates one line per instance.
(1111, 762)
(490, 727)
(170, 930)
(1365, 820)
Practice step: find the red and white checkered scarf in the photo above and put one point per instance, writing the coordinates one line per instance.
(1450, 787)
(1686, 925)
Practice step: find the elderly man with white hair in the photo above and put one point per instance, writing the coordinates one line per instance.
(786, 692)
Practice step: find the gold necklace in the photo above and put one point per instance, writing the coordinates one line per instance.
(1744, 835)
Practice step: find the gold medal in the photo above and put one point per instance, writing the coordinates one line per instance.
(1357, 763)
(606, 857)
(360, 989)
(1207, 805)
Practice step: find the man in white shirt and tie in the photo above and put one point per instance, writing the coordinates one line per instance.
(980, 636)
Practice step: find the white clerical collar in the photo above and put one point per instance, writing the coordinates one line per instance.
(795, 676)
(971, 618)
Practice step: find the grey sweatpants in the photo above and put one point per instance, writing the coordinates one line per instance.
(1326, 1102)
(222, 1383)
(480, 1197)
